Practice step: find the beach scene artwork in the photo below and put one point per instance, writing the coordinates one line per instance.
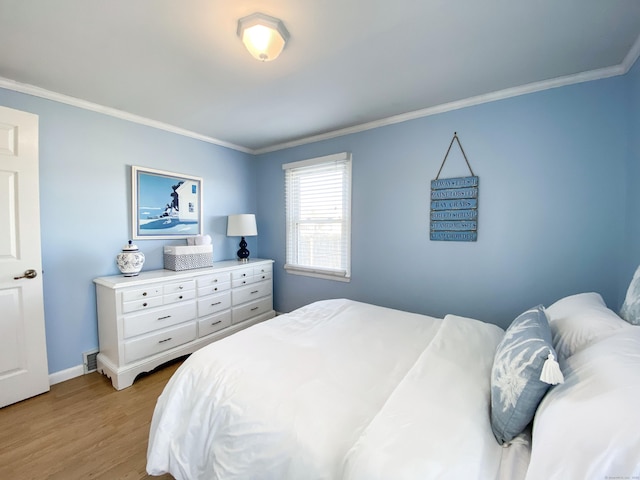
(167, 204)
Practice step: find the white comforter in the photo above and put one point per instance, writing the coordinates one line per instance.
(335, 390)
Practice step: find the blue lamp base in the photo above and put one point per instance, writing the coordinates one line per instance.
(243, 253)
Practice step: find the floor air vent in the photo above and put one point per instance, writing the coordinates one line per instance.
(90, 361)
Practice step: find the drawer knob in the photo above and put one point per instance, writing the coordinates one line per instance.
(144, 294)
(165, 340)
(215, 280)
(215, 289)
(144, 304)
(180, 297)
(180, 287)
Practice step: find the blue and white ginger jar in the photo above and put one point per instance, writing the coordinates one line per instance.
(130, 260)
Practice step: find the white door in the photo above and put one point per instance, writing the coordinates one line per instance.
(23, 352)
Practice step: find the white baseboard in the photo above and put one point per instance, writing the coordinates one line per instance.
(68, 374)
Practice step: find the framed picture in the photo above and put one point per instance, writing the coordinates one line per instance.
(165, 205)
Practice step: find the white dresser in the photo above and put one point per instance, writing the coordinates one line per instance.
(159, 315)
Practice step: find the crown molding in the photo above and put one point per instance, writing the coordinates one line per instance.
(621, 69)
(468, 102)
(632, 56)
(94, 107)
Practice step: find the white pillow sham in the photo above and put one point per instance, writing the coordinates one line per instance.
(578, 321)
(587, 428)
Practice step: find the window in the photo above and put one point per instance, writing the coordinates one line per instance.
(318, 211)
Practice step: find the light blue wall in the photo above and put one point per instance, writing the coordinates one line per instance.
(85, 160)
(551, 218)
(633, 205)
(555, 217)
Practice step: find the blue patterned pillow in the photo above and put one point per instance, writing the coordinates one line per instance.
(523, 369)
(630, 310)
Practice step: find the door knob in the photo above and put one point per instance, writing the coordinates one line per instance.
(27, 274)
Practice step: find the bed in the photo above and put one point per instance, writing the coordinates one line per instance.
(346, 390)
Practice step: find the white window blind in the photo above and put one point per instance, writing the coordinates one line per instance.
(318, 213)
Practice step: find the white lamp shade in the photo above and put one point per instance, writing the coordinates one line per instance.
(264, 36)
(243, 225)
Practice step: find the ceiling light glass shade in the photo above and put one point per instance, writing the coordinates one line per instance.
(264, 36)
(243, 225)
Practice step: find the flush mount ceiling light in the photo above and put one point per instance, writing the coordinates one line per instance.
(264, 36)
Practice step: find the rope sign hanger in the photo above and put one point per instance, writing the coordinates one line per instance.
(454, 204)
(455, 137)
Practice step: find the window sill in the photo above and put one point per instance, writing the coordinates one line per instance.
(310, 272)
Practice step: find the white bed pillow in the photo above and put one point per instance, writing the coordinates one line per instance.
(580, 320)
(587, 428)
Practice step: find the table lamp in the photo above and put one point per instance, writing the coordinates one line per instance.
(242, 225)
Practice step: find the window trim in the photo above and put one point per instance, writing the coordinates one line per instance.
(342, 275)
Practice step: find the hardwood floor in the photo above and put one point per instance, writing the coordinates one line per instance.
(83, 428)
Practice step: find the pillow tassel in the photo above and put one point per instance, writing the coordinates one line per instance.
(551, 372)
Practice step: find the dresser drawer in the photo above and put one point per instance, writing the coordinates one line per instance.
(251, 292)
(214, 303)
(141, 293)
(212, 280)
(248, 310)
(241, 276)
(241, 273)
(214, 323)
(263, 269)
(239, 282)
(262, 276)
(179, 296)
(156, 319)
(159, 342)
(211, 289)
(143, 304)
(177, 287)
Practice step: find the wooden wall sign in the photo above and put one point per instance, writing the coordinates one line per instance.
(454, 205)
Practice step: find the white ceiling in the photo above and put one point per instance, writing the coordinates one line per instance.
(349, 65)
